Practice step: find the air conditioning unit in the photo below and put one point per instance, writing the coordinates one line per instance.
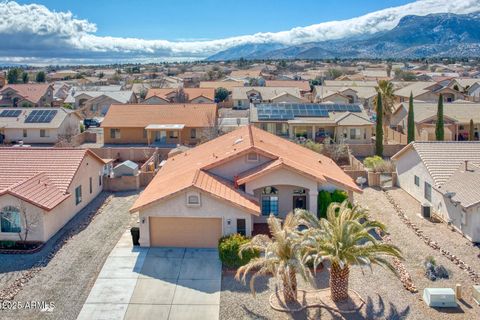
(426, 210)
(440, 297)
(476, 294)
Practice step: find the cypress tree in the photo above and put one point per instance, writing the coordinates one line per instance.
(471, 132)
(379, 127)
(439, 127)
(410, 121)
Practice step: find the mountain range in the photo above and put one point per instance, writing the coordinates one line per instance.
(435, 35)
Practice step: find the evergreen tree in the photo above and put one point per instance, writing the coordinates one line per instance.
(471, 132)
(40, 76)
(411, 121)
(439, 127)
(25, 77)
(379, 127)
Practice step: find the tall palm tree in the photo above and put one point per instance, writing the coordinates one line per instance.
(385, 88)
(280, 256)
(345, 239)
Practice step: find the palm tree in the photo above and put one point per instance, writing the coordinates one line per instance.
(386, 90)
(345, 239)
(280, 256)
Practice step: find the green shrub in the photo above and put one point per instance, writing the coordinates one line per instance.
(312, 145)
(7, 244)
(82, 127)
(339, 196)
(324, 200)
(228, 248)
(372, 162)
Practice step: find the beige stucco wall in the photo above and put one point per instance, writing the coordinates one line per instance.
(201, 100)
(210, 207)
(410, 165)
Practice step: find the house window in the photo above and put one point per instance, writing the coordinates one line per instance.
(10, 220)
(115, 133)
(252, 157)
(90, 185)
(193, 133)
(417, 181)
(428, 191)
(78, 195)
(44, 133)
(193, 199)
(25, 133)
(241, 227)
(173, 134)
(100, 180)
(269, 201)
(355, 134)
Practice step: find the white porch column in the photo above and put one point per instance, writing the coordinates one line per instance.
(313, 201)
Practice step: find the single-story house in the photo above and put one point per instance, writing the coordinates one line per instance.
(347, 94)
(190, 95)
(302, 85)
(428, 91)
(315, 121)
(26, 95)
(160, 125)
(48, 187)
(229, 185)
(243, 96)
(38, 125)
(457, 116)
(97, 102)
(446, 176)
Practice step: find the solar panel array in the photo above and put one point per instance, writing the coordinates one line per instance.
(289, 111)
(10, 113)
(41, 116)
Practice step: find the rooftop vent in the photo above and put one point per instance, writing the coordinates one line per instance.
(238, 141)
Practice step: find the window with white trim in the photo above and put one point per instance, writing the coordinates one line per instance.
(78, 195)
(416, 180)
(193, 199)
(270, 201)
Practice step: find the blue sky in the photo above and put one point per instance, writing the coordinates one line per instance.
(209, 19)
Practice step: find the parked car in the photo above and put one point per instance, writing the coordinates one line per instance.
(91, 123)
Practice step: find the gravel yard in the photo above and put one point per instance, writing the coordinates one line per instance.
(68, 277)
(383, 292)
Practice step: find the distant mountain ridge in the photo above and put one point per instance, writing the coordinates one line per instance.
(435, 35)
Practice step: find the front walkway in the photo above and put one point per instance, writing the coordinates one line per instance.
(156, 283)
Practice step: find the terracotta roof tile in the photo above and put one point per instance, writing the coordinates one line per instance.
(39, 175)
(189, 168)
(192, 93)
(141, 115)
(32, 91)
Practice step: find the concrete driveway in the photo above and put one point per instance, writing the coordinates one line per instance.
(156, 283)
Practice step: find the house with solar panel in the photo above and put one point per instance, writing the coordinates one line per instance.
(37, 125)
(347, 123)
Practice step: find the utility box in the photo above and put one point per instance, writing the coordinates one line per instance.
(476, 294)
(440, 297)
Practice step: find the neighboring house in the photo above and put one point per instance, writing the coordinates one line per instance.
(26, 95)
(428, 92)
(229, 85)
(191, 95)
(246, 74)
(302, 85)
(96, 103)
(231, 184)
(457, 118)
(160, 125)
(446, 176)
(3, 81)
(62, 75)
(348, 94)
(46, 186)
(243, 96)
(347, 123)
(38, 125)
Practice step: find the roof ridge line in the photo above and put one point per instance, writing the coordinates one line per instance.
(251, 136)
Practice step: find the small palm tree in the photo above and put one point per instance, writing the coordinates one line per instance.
(280, 256)
(345, 239)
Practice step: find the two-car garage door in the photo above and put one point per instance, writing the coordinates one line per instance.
(185, 232)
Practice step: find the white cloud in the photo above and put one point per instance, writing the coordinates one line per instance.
(35, 30)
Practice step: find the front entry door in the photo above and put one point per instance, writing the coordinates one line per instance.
(299, 202)
(161, 136)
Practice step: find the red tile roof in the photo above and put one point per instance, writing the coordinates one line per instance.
(192, 93)
(190, 168)
(31, 91)
(39, 175)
